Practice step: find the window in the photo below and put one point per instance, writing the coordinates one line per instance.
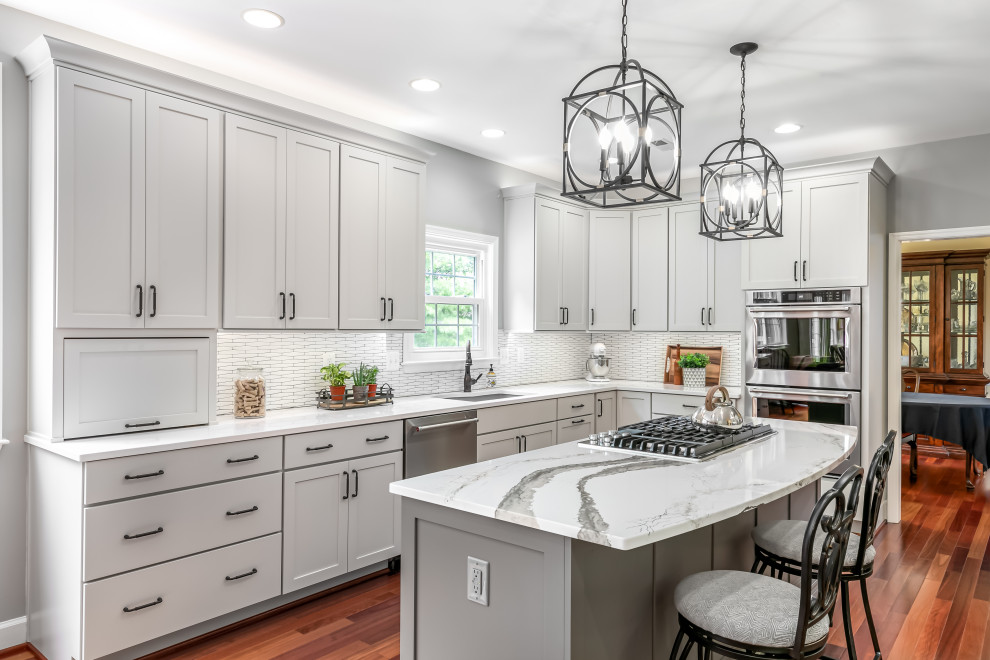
(461, 300)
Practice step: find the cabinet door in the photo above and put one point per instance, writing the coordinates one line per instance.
(100, 203)
(632, 407)
(649, 270)
(405, 245)
(577, 428)
(835, 231)
(726, 302)
(774, 263)
(499, 444)
(362, 239)
(574, 269)
(373, 513)
(609, 271)
(688, 285)
(605, 413)
(254, 224)
(183, 213)
(314, 525)
(311, 231)
(538, 436)
(549, 313)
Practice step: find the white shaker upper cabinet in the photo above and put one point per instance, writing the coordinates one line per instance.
(183, 214)
(775, 263)
(688, 285)
(100, 203)
(649, 270)
(574, 268)
(549, 312)
(726, 301)
(609, 269)
(311, 231)
(254, 227)
(363, 177)
(405, 245)
(835, 231)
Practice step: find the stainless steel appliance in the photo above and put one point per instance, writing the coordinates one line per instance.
(804, 338)
(677, 438)
(597, 365)
(440, 442)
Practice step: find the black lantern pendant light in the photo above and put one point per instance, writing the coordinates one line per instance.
(741, 181)
(622, 136)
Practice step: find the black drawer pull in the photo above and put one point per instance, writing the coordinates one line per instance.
(242, 575)
(688, 405)
(144, 476)
(138, 426)
(128, 537)
(355, 493)
(580, 405)
(384, 437)
(324, 447)
(240, 513)
(579, 421)
(347, 484)
(243, 460)
(157, 601)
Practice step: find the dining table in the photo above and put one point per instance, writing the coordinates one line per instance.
(957, 419)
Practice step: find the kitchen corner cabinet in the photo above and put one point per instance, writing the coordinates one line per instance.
(649, 270)
(137, 206)
(703, 286)
(280, 247)
(605, 419)
(609, 266)
(632, 407)
(382, 242)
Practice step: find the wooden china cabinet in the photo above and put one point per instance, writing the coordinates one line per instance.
(942, 314)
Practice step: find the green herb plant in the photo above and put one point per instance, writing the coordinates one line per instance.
(365, 375)
(371, 374)
(694, 361)
(335, 374)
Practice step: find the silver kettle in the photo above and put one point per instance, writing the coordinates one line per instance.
(719, 413)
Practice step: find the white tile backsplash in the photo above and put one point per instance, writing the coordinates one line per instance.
(292, 360)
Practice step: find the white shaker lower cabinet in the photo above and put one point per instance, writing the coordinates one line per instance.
(514, 441)
(632, 407)
(373, 517)
(576, 428)
(608, 268)
(605, 412)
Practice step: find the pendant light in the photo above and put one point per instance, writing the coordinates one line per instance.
(622, 136)
(741, 181)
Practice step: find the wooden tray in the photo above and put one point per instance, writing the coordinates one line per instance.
(713, 372)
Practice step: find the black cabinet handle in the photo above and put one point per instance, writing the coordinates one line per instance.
(154, 301)
(795, 271)
(592, 316)
(702, 316)
(128, 537)
(561, 309)
(324, 447)
(242, 575)
(804, 270)
(142, 425)
(567, 316)
(293, 315)
(688, 405)
(522, 443)
(518, 444)
(243, 460)
(347, 484)
(282, 294)
(241, 513)
(140, 300)
(709, 316)
(391, 309)
(580, 405)
(383, 310)
(578, 421)
(634, 316)
(601, 407)
(144, 476)
(384, 437)
(157, 601)
(355, 493)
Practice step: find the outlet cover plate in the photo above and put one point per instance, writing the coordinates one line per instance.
(477, 586)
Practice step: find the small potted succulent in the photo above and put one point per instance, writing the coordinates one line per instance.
(362, 378)
(372, 378)
(336, 376)
(693, 365)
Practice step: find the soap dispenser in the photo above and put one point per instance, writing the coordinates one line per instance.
(491, 375)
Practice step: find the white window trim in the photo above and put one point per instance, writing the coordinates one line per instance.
(418, 360)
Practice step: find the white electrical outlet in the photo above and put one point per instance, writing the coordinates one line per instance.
(329, 357)
(393, 360)
(477, 587)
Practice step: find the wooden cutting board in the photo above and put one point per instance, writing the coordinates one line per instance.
(713, 372)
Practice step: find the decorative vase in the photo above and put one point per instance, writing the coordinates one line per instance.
(338, 392)
(372, 390)
(694, 376)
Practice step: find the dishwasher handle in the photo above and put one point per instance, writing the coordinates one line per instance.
(456, 422)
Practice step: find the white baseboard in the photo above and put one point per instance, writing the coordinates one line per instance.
(13, 632)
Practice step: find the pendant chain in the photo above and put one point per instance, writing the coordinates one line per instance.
(625, 37)
(742, 99)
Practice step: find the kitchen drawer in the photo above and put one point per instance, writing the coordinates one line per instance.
(965, 390)
(304, 449)
(577, 428)
(190, 521)
(573, 406)
(515, 415)
(513, 441)
(675, 404)
(129, 385)
(119, 478)
(129, 609)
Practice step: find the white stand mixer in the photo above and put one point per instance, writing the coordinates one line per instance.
(597, 365)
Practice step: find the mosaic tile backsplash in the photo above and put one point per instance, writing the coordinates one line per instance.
(292, 360)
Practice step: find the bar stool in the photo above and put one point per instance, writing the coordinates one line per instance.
(778, 546)
(753, 616)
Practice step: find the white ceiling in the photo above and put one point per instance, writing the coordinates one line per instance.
(858, 75)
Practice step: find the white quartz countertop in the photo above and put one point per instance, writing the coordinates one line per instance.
(302, 420)
(624, 501)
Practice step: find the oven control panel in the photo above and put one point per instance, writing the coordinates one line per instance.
(803, 297)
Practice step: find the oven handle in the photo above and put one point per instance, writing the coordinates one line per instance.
(817, 393)
(783, 308)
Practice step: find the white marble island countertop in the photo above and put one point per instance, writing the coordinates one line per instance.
(625, 501)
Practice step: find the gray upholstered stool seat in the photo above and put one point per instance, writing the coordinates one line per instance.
(747, 608)
(784, 537)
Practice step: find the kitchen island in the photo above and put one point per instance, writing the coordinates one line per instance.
(585, 546)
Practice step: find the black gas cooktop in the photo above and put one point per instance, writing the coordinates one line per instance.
(677, 438)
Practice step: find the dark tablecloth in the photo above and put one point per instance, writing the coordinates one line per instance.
(961, 420)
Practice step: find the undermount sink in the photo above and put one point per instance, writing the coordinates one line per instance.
(480, 397)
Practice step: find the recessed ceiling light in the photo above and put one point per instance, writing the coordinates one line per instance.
(493, 133)
(424, 85)
(262, 18)
(787, 128)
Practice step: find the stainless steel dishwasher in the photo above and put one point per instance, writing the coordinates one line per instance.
(439, 442)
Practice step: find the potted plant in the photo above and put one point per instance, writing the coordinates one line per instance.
(335, 375)
(693, 365)
(361, 379)
(372, 378)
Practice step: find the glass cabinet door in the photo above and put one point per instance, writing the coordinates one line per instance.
(916, 301)
(963, 348)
